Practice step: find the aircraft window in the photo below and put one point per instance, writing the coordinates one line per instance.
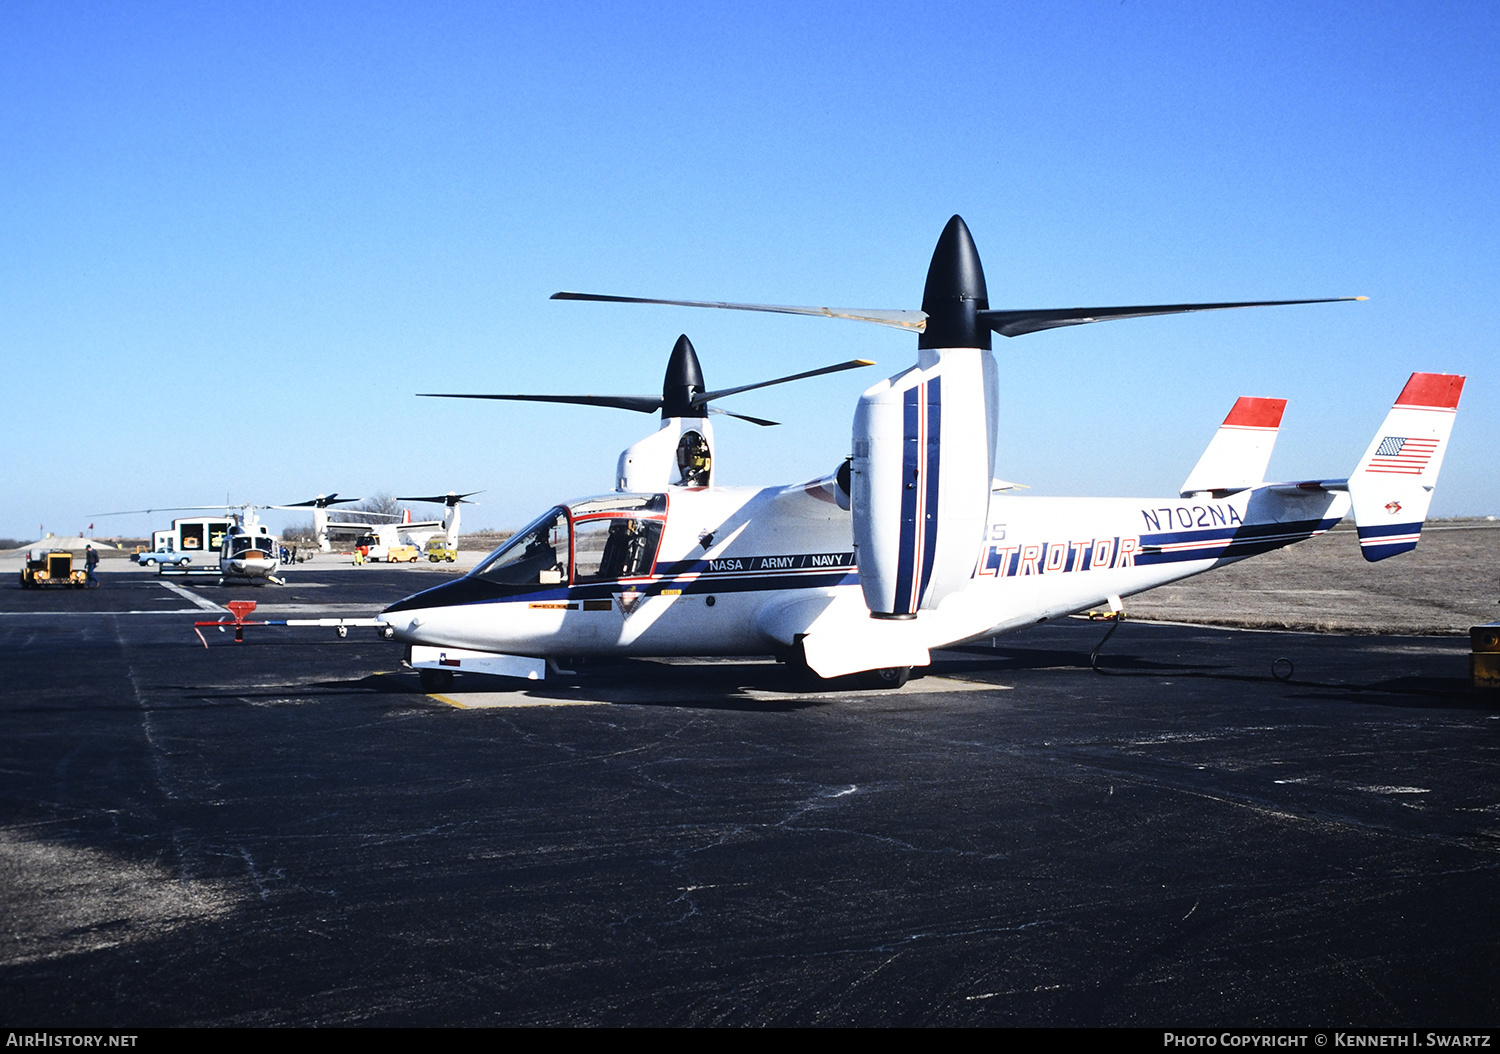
(635, 503)
(614, 548)
(537, 555)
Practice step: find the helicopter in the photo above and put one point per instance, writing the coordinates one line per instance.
(909, 543)
(247, 549)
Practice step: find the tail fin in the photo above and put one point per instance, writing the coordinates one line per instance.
(1237, 455)
(1392, 486)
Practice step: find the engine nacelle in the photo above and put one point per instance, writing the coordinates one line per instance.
(679, 454)
(924, 444)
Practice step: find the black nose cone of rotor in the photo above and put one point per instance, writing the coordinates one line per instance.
(683, 381)
(955, 292)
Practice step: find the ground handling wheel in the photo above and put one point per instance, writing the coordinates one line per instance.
(436, 680)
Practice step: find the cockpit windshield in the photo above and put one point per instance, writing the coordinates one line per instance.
(240, 544)
(535, 555)
(601, 539)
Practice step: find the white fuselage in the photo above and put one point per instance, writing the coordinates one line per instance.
(744, 571)
(248, 555)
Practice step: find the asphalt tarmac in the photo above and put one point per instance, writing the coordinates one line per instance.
(288, 832)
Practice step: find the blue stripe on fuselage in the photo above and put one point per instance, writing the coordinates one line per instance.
(1247, 540)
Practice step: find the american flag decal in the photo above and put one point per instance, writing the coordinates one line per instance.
(1399, 455)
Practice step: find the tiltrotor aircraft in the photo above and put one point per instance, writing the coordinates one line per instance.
(909, 544)
(403, 530)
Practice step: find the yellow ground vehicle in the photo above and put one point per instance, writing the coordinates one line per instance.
(402, 554)
(51, 567)
(438, 549)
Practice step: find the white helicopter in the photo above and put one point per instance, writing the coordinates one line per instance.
(247, 549)
(401, 531)
(910, 544)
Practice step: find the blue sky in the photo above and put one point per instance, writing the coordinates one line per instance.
(247, 234)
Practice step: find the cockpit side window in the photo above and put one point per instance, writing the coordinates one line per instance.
(614, 547)
(536, 555)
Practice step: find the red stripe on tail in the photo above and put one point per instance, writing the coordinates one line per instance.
(1250, 412)
(1432, 389)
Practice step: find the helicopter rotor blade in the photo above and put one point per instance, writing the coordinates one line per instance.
(320, 502)
(852, 364)
(1017, 323)
(912, 321)
(644, 404)
(181, 508)
(447, 499)
(744, 417)
(1007, 323)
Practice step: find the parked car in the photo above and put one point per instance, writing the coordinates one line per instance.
(162, 556)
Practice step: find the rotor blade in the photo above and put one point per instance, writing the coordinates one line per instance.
(316, 503)
(645, 404)
(178, 508)
(852, 364)
(908, 320)
(1015, 323)
(447, 499)
(744, 417)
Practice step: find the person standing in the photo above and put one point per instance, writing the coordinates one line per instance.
(90, 561)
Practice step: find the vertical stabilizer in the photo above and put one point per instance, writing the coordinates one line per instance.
(1237, 455)
(1392, 486)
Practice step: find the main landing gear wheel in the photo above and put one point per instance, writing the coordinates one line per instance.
(436, 680)
(890, 677)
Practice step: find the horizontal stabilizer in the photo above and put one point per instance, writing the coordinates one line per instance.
(1308, 486)
(1237, 455)
(1391, 487)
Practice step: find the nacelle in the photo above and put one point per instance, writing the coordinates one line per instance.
(920, 479)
